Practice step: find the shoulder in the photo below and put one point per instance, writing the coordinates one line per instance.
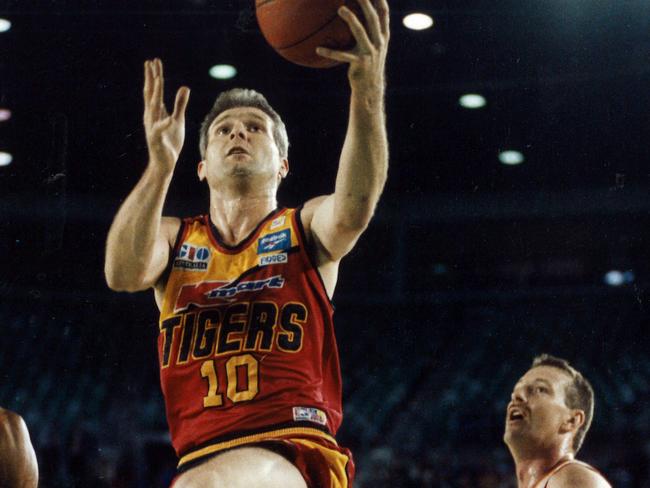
(578, 475)
(18, 465)
(11, 422)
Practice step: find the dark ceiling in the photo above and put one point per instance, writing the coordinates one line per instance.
(567, 83)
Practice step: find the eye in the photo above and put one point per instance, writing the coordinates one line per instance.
(222, 131)
(541, 389)
(254, 128)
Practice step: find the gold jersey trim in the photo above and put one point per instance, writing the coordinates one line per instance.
(250, 439)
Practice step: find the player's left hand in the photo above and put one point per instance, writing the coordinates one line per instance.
(368, 58)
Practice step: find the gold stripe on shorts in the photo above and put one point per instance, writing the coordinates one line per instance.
(248, 439)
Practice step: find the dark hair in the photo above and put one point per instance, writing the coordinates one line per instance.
(578, 394)
(244, 97)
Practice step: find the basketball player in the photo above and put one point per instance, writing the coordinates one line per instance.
(248, 361)
(548, 416)
(18, 465)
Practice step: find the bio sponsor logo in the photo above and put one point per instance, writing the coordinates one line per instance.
(192, 257)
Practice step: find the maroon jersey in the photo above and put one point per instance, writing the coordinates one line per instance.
(246, 344)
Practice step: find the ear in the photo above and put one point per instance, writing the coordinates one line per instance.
(284, 168)
(573, 422)
(200, 170)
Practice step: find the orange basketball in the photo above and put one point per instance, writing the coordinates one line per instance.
(295, 28)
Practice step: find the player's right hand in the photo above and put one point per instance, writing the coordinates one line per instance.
(165, 133)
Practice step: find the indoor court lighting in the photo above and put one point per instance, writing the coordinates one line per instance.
(5, 114)
(5, 158)
(511, 158)
(417, 21)
(223, 71)
(618, 278)
(472, 100)
(5, 25)
(614, 278)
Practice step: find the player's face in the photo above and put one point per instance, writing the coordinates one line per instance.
(537, 414)
(241, 144)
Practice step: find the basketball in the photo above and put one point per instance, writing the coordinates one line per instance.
(295, 28)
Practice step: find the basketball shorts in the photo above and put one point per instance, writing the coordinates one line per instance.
(320, 460)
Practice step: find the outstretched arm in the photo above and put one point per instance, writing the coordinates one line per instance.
(138, 244)
(337, 221)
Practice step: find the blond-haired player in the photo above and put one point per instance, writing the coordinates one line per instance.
(547, 419)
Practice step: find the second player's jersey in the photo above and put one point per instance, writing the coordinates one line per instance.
(543, 483)
(246, 342)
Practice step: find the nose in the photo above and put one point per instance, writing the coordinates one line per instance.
(238, 130)
(518, 395)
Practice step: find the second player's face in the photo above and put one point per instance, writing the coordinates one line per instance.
(537, 410)
(241, 144)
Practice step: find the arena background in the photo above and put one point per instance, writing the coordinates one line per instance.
(469, 269)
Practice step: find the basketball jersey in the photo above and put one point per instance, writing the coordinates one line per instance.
(246, 342)
(543, 483)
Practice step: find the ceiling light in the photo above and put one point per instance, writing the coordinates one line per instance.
(511, 158)
(5, 25)
(417, 21)
(5, 158)
(618, 278)
(5, 114)
(223, 71)
(472, 100)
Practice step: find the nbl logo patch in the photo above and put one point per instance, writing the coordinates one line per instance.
(309, 414)
(279, 222)
(192, 257)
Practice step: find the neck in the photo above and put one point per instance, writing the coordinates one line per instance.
(236, 216)
(532, 467)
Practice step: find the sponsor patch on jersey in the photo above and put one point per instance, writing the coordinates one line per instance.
(280, 258)
(209, 293)
(279, 222)
(192, 257)
(278, 241)
(309, 414)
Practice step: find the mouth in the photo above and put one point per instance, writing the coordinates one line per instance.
(515, 415)
(236, 150)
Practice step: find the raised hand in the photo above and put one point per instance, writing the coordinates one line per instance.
(368, 58)
(165, 133)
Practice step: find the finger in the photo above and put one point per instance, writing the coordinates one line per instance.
(147, 83)
(341, 56)
(384, 16)
(161, 78)
(358, 31)
(372, 20)
(155, 104)
(180, 104)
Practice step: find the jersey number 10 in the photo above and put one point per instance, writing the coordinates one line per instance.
(234, 392)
